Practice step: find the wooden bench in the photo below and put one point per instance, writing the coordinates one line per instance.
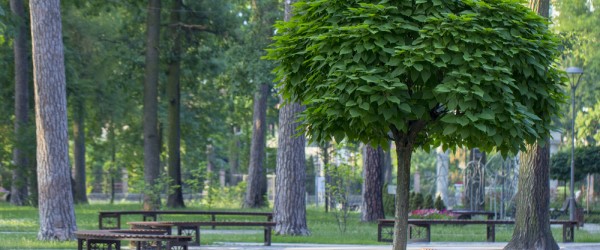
(112, 219)
(142, 239)
(467, 214)
(193, 227)
(420, 230)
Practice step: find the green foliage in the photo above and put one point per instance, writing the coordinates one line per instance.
(588, 125)
(587, 161)
(428, 202)
(340, 188)
(231, 197)
(439, 204)
(475, 73)
(416, 202)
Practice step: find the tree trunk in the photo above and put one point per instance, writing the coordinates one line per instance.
(256, 188)
(18, 188)
(151, 140)
(290, 208)
(442, 174)
(56, 212)
(79, 153)
(532, 220)
(175, 199)
(404, 153)
(234, 156)
(372, 205)
(325, 150)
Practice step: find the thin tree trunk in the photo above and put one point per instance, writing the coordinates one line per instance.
(532, 219)
(151, 139)
(475, 181)
(79, 153)
(325, 149)
(372, 205)
(255, 190)
(175, 198)
(404, 154)
(56, 211)
(18, 188)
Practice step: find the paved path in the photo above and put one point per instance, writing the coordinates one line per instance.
(419, 246)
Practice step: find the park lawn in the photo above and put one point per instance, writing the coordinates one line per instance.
(19, 225)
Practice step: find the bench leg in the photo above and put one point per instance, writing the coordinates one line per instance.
(267, 236)
(568, 233)
(189, 230)
(491, 232)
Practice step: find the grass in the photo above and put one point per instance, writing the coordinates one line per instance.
(19, 226)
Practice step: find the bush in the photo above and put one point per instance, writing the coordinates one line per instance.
(428, 202)
(439, 203)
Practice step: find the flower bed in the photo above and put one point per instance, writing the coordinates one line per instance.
(432, 214)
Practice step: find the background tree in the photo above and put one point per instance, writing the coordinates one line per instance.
(372, 205)
(151, 136)
(19, 190)
(290, 205)
(175, 198)
(532, 218)
(429, 72)
(262, 20)
(57, 215)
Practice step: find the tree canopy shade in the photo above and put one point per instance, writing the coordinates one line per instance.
(421, 73)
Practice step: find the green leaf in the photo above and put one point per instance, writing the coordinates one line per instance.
(370, 78)
(418, 67)
(354, 112)
(449, 129)
(405, 107)
(365, 106)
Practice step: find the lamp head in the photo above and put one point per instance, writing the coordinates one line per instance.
(574, 71)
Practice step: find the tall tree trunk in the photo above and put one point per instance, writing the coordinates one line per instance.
(56, 212)
(442, 174)
(256, 188)
(372, 205)
(79, 153)
(175, 198)
(290, 204)
(151, 140)
(18, 188)
(532, 219)
(290, 207)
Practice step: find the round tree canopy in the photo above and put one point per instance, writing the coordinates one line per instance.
(477, 73)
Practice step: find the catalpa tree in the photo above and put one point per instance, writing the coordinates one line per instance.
(475, 73)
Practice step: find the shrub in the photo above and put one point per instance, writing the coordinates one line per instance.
(439, 203)
(428, 202)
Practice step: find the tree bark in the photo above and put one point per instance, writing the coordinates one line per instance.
(18, 190)
(56, 212)
(79, 153)
(255, 197)
(372, 205)
(175, 199)
(532, 220)
(442, 174)
(404, 150)
(290, 207)
(151, 139)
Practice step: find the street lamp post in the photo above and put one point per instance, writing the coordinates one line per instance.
(574, 77)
